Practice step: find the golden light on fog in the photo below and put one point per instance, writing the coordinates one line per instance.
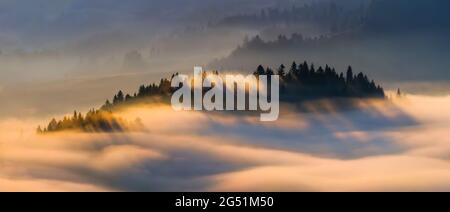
(232, 153)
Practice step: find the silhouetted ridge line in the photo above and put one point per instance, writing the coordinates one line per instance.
(328, 15)
(94, 121)
(305, 82)
(299, 83)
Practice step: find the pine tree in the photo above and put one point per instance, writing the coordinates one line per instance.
(75, 116)
(260, 70)
(120, 97)
(141, 91)
(349, 74)
(269, 72)
(39, 130)
(281, 71)
(107, 105)
(293, 69)
(52, 126)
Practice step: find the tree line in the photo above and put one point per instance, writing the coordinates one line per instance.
(298, 83)
(93, 121)
(305, 82)
(325, 14)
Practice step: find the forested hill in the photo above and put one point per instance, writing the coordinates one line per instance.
(299, 83)
(401, 40)
(331, 16)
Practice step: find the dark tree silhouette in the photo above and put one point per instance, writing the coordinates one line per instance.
(281, 71)
(118, 98)
(327, 15)
(349, 74)
(260, 70)
(302, 83)
(94, 121)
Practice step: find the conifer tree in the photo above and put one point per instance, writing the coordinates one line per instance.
(349, 74)
(281, 71)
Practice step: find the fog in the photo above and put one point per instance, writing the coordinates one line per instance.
(391, 43)
(382, 147)
(46, 40)
(57, 56)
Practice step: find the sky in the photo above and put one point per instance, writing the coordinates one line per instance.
(52, 20)
(45, 40)
(48, 40)
(57, 56)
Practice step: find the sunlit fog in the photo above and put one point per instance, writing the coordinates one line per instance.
(364, 107)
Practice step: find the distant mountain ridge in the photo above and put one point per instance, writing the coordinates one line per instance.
(329, 15)
(398, 40)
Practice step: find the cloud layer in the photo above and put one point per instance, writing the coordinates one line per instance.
(383, 147)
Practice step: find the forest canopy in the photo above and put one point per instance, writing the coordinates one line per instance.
(299, 83)
(94, 121)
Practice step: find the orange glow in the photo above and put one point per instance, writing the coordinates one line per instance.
(303, 154)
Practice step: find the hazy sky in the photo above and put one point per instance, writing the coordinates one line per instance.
(31, 22)
(47, 44)
(57, 56)
(54, 39)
